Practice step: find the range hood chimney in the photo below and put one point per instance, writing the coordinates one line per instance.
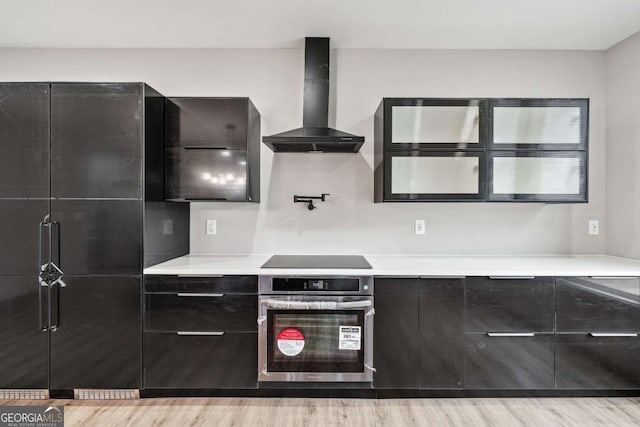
(315, 135)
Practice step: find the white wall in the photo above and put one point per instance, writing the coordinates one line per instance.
(349, 221)
(623, 148)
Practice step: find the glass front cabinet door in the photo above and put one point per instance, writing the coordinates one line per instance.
(434, 175)
(494, 150)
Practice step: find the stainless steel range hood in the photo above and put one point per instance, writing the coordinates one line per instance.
(315, 135)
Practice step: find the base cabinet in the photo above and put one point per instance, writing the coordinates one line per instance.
(395, 340)
(191, 360)
(441, 338)
(587, 362)
(418, 335)
(200, 332)
(509, 362)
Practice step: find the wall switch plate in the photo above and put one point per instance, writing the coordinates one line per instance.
(212, 227)
(594, 227)
(420, 227)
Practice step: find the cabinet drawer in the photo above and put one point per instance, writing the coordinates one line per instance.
(225, 284)
(509, 305)
(200, 361)
(509, 362)
(199, 311)
(587, 362)
(598, 305)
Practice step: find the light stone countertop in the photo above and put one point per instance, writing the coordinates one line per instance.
(412, 265)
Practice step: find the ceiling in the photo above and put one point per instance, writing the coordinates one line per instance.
(414, 24)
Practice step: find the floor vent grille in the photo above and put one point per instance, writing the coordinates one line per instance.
(23, 394)
(105, 394)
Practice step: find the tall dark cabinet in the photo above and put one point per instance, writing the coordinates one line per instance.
(81, 200)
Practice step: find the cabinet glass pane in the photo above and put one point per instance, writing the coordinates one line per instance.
(537, 175)
(435, 124)
(536, 125)
(207, 174)
(435, 175)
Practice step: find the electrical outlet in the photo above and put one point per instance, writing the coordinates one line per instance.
(419, 226)
(212, 227)
(594, 227)
(167, 226)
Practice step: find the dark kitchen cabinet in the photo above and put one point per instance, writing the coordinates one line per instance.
(197, 360)
(492, 150)
(213, 150)
(97, 340)
(586, 304)
(186, 311)
(20, 230)
(96, 140)
(200, 332)
(509, 330)
(395, 347)
(509, 362)
(538, 150)
(24, 353)
(441, 333)
(98, 236)
(598, 322)
(584, 361)
(24, 140)
(509, 304)
(73, 247)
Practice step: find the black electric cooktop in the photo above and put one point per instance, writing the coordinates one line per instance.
(317, 261)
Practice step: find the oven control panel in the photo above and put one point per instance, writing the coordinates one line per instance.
(325, 285)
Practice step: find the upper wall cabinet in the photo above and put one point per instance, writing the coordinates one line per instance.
(538, 124)
(213, 150)
(502, 150)
(424, 124)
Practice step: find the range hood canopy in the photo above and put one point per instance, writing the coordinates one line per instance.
(315, 135)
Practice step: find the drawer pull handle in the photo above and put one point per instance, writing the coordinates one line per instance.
(512, 277)
(511, 334)
(199, 333)
(204, 276)
(613, 334)
(194, 294)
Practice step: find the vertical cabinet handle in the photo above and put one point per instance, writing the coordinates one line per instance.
(43, 301)
(55, 243)
(54, 299)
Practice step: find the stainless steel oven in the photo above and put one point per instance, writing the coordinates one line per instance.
(316, 329)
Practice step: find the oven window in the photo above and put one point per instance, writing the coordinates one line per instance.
(315, 341)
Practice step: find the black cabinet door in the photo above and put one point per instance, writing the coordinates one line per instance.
(221, 360)
(97, 341)
(98, 236)
(201, 312)
(206, 174)
(441, 333)
(509, 362)
(24, 140)
(395, 347)
(509, 305)
(587, 362)
(20, 233)
(587, 304)
(24, 353)
(96, 140)
(207, 122)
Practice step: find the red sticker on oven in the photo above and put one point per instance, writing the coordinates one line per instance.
(290, 342)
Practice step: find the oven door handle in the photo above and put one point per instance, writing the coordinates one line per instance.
(279, 304)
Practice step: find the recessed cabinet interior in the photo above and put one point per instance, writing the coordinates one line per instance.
(213, 150)
(481, 150)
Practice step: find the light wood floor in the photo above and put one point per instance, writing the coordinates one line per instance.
(545, 412)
